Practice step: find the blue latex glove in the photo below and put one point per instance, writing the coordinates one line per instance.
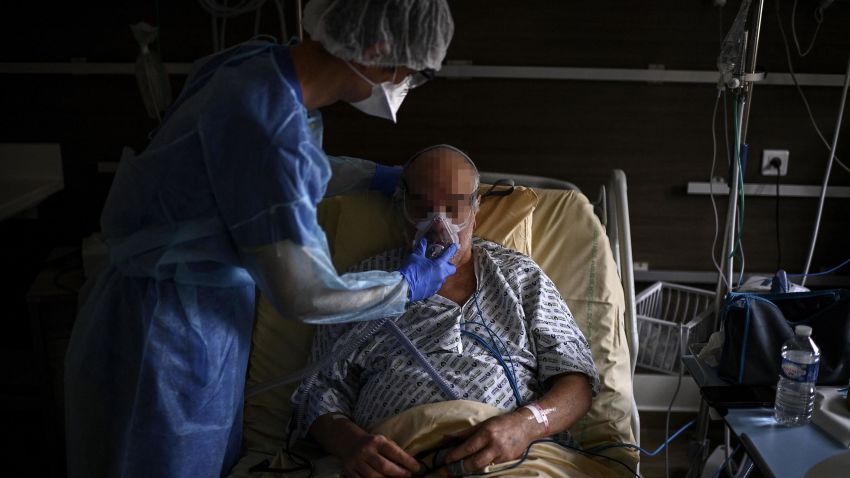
(385, 179)
(425, 276)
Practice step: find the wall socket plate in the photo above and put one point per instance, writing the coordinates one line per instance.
(767, 157)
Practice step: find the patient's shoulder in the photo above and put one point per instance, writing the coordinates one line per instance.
(517, 268)
(388, 260)
(505, 257)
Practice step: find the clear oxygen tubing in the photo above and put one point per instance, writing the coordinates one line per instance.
(310, 380)
(391, 326)
(407, 344)
(827, 173)
(311, 371)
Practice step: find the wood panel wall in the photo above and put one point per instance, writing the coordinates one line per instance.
(660, 134)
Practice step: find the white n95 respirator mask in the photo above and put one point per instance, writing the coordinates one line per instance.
(439, 232)
(385, 99)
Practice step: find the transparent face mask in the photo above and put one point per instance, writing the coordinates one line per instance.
(439, 234)
(439, 222)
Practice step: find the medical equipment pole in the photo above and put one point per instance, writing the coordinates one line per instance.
(827, 173)
(699, 447)
(298, 21)
(747, 83)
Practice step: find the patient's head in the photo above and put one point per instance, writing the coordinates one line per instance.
(442, 179)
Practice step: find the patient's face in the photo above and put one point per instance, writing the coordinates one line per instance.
(441, 180)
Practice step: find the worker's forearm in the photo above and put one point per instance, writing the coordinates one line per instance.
(337, 435)
(568, 399)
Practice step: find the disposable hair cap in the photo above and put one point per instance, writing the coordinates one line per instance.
(411, 33)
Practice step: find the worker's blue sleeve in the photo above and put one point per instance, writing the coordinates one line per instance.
(268, 174)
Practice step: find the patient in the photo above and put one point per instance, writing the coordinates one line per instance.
(529, 325)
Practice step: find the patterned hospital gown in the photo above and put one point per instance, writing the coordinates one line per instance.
(381, 379)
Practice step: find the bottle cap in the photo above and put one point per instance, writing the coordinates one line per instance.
(803, 330)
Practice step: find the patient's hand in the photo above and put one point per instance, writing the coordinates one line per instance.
(496, 440)
(362, 454)
(377, 456)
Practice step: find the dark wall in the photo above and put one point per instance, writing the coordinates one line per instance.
(660, 134)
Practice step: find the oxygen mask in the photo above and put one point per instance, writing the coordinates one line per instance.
(439, 232)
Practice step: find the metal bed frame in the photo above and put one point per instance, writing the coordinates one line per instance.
(612, 209)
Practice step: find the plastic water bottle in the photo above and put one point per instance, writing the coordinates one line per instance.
(795, 392)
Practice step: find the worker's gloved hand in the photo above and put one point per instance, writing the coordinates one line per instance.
(426, 276)
(385, 179)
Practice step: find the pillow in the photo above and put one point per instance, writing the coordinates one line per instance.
(357, 227)
(571, 246)
(366, 224)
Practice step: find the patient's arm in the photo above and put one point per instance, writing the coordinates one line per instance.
(507, 436)
(361, 453)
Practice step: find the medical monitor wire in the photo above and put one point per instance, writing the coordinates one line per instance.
(524, 457)
(496, 349)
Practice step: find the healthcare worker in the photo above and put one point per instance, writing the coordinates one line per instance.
(223, 199)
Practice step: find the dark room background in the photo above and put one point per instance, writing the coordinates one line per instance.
(659, 133)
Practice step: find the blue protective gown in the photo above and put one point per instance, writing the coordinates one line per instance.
(156, 366)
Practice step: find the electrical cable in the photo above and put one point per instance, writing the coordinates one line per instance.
(562, 445)
(670, 406)
(778, 241)
(222, 10)
(827, 272)
(726, 462)
(650, 454)
(711, 191)
(800, 89)
(818, 19)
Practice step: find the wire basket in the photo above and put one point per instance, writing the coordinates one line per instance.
(670, 317)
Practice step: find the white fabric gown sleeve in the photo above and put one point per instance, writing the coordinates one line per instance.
(302, 284)
(349, 175)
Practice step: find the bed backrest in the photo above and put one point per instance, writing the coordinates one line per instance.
(570, 244)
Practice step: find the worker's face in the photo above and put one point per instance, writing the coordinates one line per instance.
(441, 181)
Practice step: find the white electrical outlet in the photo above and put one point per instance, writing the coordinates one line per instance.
(769, 155)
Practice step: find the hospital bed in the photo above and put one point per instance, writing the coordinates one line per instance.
(584, 247)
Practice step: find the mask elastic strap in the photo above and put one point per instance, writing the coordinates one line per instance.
(360, 74)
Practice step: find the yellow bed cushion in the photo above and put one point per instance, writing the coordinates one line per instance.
(357, 227)
(570, 244)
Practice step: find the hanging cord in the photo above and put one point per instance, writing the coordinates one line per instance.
(775, 164)
(726, 462)
(826, 272)
(667, 438)
(711, 191)
(818, 18)
(648, 453)
(500, 182)
(800, 89)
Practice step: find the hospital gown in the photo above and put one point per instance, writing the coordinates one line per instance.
(155, 369)
(518, 302)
